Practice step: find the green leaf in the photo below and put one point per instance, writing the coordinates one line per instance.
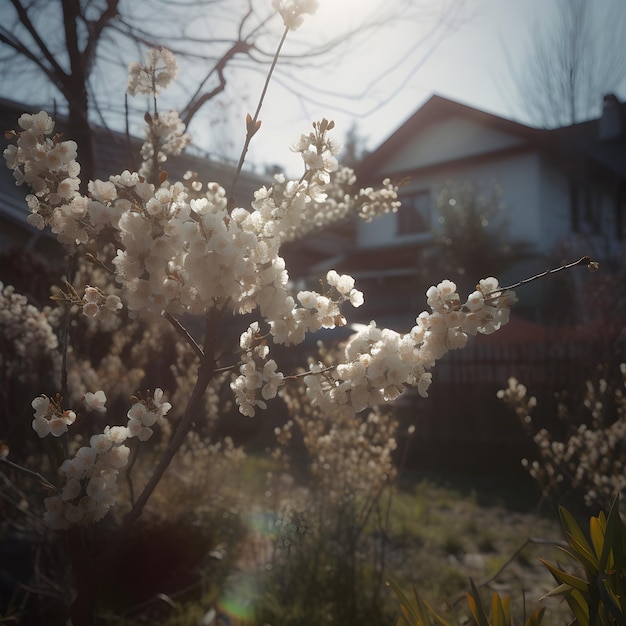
(476, 605)
(584, 553)
(405, 604)
(561, 590)
(571, 527)
(499, 612)
(536, 616)
(506, 606)
(442, 620)
(596, 532)
(613, 536)
(568, 579)
(612, 603)
(579, 607)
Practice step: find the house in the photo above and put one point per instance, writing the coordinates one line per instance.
(114, 152)
(562, 192)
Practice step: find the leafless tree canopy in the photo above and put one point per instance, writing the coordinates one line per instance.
(573, 60)
(70, 52)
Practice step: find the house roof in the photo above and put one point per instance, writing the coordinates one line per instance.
(587, 140)
(438, 109)
(601, 141)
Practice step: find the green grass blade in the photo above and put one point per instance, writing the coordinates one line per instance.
(441, 620)
(406, 605)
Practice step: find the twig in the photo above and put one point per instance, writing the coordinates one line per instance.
(585, 260)
(205, 375)
(529, 540)
(44, 481)
(129, 477)
(329, 368)
(184, 333)
(65, 337)
(252, 124)
(91, 258)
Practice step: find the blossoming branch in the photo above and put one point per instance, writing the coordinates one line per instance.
(179, 250)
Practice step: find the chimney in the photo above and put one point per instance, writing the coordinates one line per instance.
(611, 124)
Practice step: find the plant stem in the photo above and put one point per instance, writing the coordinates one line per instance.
(184, 333)
(205, 375)
(65, 335)
(251, 126)
(89, 575)
(44, 481)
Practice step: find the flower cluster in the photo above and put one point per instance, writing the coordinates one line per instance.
(316, 311)
(380, 363)
(350, 456)
(338, 201)
(319, 152)
(50, 418)
(183, 253)
(145, 413)
(29, 342)
(156, 73)
(95, 300)
(373, 203)
(256, 373)
(91, 474)
(165, 136)
(292, 11)
(49, 167)
(590, 458)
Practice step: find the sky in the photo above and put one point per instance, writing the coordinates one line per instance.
(465, 63)
(379, 80)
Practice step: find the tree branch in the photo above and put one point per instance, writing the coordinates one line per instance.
(22, 14)
(196, 101)
(96, 27)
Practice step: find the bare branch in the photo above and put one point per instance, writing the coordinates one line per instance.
(572, 62)
(45, 51)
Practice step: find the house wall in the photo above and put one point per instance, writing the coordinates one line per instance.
(448, 140)
(530, 192)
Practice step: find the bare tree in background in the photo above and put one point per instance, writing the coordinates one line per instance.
(69, 52)
(573, 61)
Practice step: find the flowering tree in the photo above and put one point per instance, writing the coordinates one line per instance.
(588, 461)
(178, 250)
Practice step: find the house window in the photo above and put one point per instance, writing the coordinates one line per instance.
(414, 213)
